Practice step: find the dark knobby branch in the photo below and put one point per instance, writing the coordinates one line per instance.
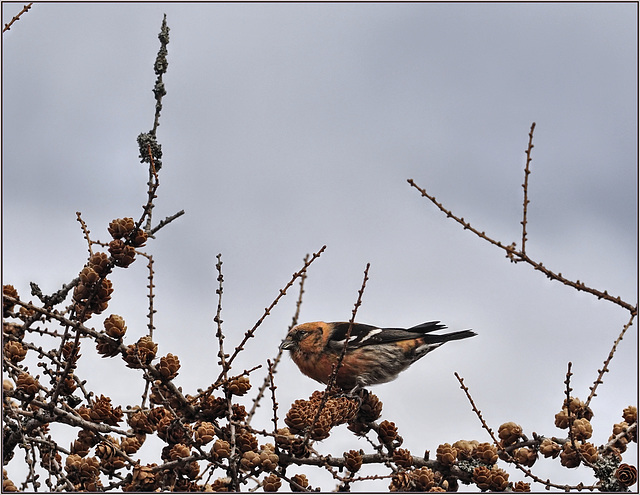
(251, 332)
(516, 255)
(525, 186)
(16, 18)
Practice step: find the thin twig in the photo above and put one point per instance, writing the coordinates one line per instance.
(85, 232)
(150, 149)
(151, 285)
(225, 369)
(477, 411)
(160, 67)
(272, 388)
(251, 332)
(567, 383)
(164, 222)
(605, 367)
(277, 359)
(150, 295)
(68, 365)
(153, 183)
(233, 458)
(515, 255)
(354, 311)
(54, 299)
(336, 366)
(218, 318)
(17, 17)
(629, 434)
(525, 186)
(567, 396)
(303, 278)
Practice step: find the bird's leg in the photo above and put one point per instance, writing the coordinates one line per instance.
(354, 390)
(358, 392)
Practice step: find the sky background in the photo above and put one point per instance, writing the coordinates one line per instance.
(290, 126)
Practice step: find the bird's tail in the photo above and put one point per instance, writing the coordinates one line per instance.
(430, 326)
(462, 334)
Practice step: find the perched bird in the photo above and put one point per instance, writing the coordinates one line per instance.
(373, 355)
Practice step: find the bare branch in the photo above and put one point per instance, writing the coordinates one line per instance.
(514, 255)
(165, 222)
(250, 333)
(272, 388)
(85, 231)
(486, 427)
(276, 360)
(218, 319)
(17, 17)
(336, 367)
(607, 361)
(525, 186)
(334, 373)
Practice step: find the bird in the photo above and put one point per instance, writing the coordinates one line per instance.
(373, 355)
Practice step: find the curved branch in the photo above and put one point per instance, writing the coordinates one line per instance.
(516, 255)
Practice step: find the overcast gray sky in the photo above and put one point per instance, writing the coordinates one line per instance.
(291, 126)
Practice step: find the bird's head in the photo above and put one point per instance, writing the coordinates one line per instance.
(307, 337)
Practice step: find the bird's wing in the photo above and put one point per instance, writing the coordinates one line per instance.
(362, 334)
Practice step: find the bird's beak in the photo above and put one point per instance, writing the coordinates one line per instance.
(287, 344)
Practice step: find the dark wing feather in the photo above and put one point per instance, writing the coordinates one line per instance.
(362, 334)
(430, 326)
(358, 332)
